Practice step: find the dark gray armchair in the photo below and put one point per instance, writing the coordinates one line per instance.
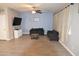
(53, 35)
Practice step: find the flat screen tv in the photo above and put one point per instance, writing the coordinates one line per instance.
(17, 21)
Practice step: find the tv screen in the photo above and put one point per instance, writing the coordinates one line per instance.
(17, 21)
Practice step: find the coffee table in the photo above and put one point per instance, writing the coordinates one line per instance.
(34, 36)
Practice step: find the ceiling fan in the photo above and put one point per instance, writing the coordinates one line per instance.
(36, 10)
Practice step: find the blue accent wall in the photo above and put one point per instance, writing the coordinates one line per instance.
(45, 21)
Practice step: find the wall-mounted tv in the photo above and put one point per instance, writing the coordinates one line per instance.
(17, 21)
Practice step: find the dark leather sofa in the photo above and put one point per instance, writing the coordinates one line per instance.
(53, 35)
(39, 31)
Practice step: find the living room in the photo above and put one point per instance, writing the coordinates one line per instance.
(50, 19)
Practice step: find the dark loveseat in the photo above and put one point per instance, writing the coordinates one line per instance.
(39, 31)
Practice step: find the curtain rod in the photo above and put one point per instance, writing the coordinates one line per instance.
(66, 7)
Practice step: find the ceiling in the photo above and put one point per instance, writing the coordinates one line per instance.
(53, 7)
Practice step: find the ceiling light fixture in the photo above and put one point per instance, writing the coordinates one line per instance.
(33, 12)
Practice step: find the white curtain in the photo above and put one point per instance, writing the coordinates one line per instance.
(61, 23)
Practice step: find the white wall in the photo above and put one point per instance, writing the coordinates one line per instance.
(4, 34)
(3, 27)
(73, 39)
(10, 15)
(69, 30)
(6, 18)
(45, 21)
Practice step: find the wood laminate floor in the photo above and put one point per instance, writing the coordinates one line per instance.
(25, 46)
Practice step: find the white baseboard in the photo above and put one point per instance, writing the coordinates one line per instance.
(25, 33)
(5, 39)
(67, 48)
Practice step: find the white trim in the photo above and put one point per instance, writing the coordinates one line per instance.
(67, 48)
(5, 39)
